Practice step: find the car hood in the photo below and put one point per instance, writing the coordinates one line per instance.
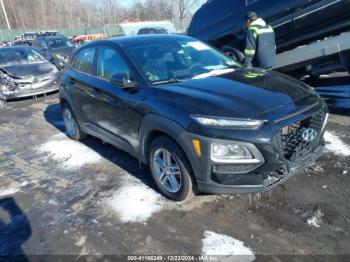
(242, 93)
(64, 51)
(29, 70)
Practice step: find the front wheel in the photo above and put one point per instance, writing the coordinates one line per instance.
(170, 169)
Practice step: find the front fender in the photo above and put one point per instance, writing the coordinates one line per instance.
(153, 125)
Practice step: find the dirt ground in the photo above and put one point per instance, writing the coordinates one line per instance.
(58, 197)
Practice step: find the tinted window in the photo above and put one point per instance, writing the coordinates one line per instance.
(110, 62)
(84, 60)
(41, 43)
(59, 42)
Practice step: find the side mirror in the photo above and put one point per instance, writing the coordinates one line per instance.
(122, 80)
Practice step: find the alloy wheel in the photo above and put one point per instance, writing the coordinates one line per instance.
(167, 170)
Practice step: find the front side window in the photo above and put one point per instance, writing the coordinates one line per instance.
(110, 62)
(84, 60)
(178, 59)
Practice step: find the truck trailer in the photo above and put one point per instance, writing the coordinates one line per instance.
(312, 36)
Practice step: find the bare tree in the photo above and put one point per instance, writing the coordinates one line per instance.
(51, 14)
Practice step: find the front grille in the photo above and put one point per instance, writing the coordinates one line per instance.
(289, 140)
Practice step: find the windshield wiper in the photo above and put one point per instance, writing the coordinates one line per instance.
(169, 81)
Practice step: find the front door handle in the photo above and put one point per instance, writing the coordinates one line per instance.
(113, 103)
(96, 92)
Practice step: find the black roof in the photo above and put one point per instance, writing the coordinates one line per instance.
(142, 39)
(51, 36)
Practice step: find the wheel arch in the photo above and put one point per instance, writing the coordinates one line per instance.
(154, 126)
(65, 98)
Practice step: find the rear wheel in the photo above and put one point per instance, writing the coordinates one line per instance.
(72, 127)
(170, 169)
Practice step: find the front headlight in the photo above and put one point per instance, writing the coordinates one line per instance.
(235, 153)
(61, 58)
(229, 122)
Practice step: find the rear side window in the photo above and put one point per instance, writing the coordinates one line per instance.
(84, 60)
(110, 62)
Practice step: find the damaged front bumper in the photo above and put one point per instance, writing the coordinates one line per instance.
(11, 89)
(265, 182)
(274, 142)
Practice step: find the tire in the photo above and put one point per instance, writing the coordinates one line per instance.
(182, 173)
(234, 53)
(71, 124)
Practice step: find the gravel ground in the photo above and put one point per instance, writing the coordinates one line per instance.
(59, 197)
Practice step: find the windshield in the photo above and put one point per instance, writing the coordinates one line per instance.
(178, 60)
(13, 56)
(59, 42)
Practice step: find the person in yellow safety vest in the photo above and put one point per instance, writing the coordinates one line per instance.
(260, 45)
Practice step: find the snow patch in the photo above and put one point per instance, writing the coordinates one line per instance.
(68, 153)
(81, 241)
(221, 245)
(336, 145)
(316, 219)
(135, 202)
(8, 191)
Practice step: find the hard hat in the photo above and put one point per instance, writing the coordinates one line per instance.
(252, 15)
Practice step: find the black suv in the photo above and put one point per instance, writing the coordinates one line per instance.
(198, 119)
(57, 49)
(296, 22)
